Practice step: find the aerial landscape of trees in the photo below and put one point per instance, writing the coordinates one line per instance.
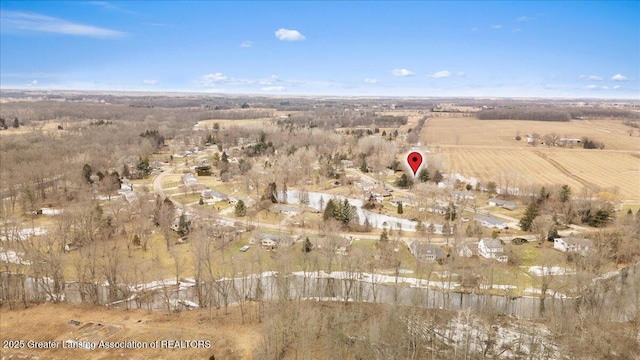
(299, 224)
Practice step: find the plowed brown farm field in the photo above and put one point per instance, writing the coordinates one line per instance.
(488, 151)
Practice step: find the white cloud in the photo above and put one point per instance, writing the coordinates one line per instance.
(34, 83)
(616, 87)
(246, 44)
(273, 88)
(440, 74)
(619, 77)
(36, 22)
(516, 30)
(523, 19)
(150, 82)
(371, 81)
(596, 87)
(401, 72)
(496, 26)
(108, 6)
(474, 29)
(289, 35)
(211, 79)
(591, 77)
(460, 74)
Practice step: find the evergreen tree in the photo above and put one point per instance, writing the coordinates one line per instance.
(363, 166)
(543, 196)
(565, 193)
(367, 224)
(384, 236)
(184, 225)
(423, 175)
(394, 165)
(450, 213)
(404, 181)
(143, 167)
(87, 172)
(306, 246)
(136, 240)
(491, 187)
(241, 209)
(329, 210)
(400, 211)
(437, 177)
(532, 211)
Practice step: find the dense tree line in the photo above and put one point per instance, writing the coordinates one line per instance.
(536, 114)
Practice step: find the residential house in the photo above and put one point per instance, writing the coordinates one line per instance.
(438, 209)
(404, 201)
(491, 249)
(285, 209)
(490, 222)
(568, 141)
(509, 205)
(273, 241)
(269, 243)
(574, 245)
(189, 179)
(347, 164)
(426, 252)
(459, 195)
(211, 196)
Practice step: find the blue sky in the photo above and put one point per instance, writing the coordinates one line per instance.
(512, 49)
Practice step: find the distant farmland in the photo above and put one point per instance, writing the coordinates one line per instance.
(486, 149)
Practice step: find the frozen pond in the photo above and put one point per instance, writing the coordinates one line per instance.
(378, 221)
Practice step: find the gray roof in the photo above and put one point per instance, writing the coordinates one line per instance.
(577, 241)
(214, 193)
(489, 219)
(492, 243)
(422, 249)
(503, 202)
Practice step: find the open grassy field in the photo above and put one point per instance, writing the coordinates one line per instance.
(486, 150)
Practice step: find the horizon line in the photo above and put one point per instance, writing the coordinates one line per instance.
(192, 92)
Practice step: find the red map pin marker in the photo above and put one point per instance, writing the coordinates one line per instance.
(414, 159)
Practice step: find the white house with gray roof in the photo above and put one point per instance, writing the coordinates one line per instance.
(491, 249)
(490, 222)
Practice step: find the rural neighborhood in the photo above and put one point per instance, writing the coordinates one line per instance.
(319, 180)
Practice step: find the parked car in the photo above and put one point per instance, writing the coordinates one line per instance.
(244, 248)
(519, 241)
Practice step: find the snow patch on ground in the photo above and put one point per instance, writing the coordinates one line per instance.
(505, 339)
(550, 270)
(25, 234)
(13, 257)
